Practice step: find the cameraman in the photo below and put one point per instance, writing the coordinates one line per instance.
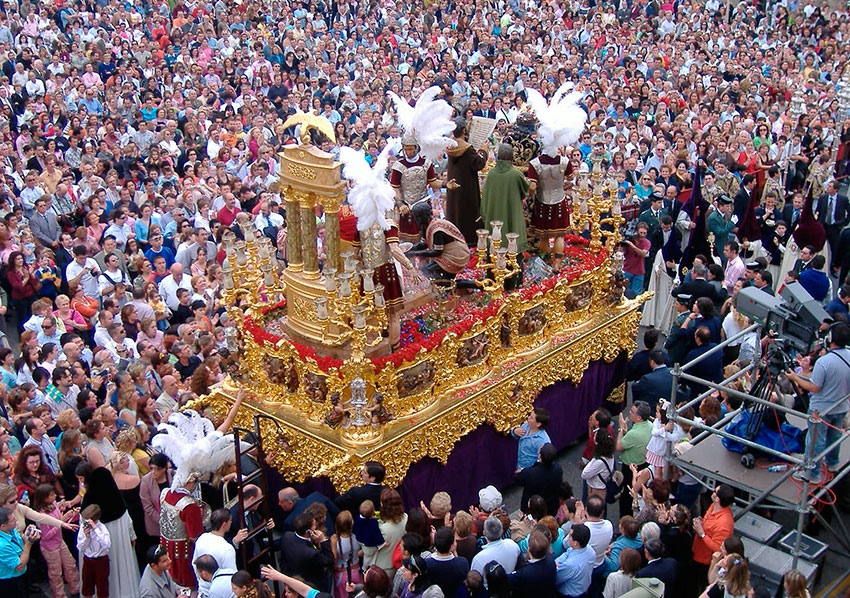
(829, 387)
(635, 250)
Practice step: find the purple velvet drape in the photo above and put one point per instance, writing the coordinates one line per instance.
(486, 456)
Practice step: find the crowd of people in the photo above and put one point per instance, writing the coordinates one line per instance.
(135, 138)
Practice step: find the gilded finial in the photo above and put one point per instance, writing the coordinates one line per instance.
(309, 121)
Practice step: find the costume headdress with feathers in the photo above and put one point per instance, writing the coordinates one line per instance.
(561, 120)
(372, 196)
(429, 121)
(193, 445)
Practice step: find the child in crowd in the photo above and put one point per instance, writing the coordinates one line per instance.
(663, 431)
(93, 541)
(60, 563)
(367, 532)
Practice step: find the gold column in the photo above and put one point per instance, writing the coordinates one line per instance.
(308, 236)
(293, 232)
(331, 208)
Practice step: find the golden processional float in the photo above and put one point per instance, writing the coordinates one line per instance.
(312, 355)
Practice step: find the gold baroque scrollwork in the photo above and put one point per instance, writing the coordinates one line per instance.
(304, 308)
(512, 383)
(303, 172)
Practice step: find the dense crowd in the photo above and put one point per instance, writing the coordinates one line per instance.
(133, 138)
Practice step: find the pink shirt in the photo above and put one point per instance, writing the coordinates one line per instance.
(51, 537)
(735, 269)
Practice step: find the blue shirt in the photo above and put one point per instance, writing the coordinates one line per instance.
(815, 282)
(164, 251)
(11, 547)
(832, 374)
(529, 446)
(837, 306)
(574, 568)
(612, 562)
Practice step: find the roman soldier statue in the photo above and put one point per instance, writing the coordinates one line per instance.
(561, 122)
(411, 175)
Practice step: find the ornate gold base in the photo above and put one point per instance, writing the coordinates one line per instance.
(499, 396)
(302, 320)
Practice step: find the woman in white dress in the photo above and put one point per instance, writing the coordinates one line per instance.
(123, 567)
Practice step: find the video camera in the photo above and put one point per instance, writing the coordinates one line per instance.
(794, 317)
(793, 320)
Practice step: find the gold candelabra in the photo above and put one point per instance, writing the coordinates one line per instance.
(596, 204)
(500, 261)
(251, 270)
(354, 305)
(354, 309)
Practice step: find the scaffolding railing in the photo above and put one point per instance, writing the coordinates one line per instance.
(810, 494)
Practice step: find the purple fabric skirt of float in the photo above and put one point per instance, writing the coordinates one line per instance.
(485, 456)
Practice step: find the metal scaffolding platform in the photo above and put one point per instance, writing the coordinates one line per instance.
(709, 461)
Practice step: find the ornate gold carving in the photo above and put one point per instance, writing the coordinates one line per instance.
(618, 395)
(304, 308)
(302, 172)
(430, 421)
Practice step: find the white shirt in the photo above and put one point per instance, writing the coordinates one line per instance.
(504, 552)
(109, 279)
(88, 282)
(128, 343)
(168, 290)
(96, 544)
(601, 533)
(217, 547)
(220, 584)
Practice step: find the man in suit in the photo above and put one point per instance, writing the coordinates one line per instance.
(792, 211)
(815, 280)
(844, 255)
(373, 474)
(639, 363)
(306, 551)
(652, 216)
(679, 341)
(672, 203)
(663, 569)
(293, 505)
(764, 281)
(537, 577)
(742, 198)
(710, 368)
(832, 212)
(543, 479)
(804, 262)
(44, 226)
(698, 286)
(656, 384)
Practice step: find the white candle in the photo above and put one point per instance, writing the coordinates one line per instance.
(322, 308)
(368, 283)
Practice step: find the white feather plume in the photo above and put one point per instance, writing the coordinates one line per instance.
(372, 196)
(387, 120)
(430, 121)
(193, 445)
(561, 120)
